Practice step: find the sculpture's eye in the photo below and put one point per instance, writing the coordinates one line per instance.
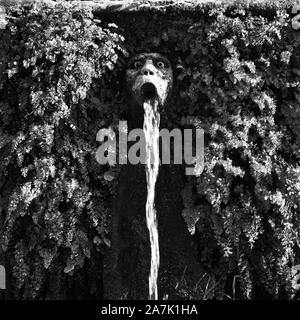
(137, 64)
(161, 64)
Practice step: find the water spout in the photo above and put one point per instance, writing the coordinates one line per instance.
(151, 131)
(149, 79)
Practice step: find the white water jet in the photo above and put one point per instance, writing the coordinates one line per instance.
(151, 131)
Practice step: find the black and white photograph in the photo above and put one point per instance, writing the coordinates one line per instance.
(149, 151)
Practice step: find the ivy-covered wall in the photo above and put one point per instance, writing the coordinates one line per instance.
(61, 71)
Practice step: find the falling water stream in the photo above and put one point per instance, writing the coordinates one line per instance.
(151, 131)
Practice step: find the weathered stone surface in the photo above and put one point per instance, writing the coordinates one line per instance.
(137, 5)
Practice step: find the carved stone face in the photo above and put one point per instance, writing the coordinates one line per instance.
(149, 76)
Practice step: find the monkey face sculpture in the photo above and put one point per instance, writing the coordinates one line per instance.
(149, 76)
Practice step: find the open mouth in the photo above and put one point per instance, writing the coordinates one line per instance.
(148, 91)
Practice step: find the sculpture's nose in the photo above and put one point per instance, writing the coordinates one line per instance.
(148, 69)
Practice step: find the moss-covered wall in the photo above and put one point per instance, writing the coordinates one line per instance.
(62, 80)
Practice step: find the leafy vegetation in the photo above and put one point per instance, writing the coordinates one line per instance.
(54, 200)
(61, 82)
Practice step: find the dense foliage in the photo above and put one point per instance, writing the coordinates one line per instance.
(54, 200)
(246, 203)
(59, 85)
